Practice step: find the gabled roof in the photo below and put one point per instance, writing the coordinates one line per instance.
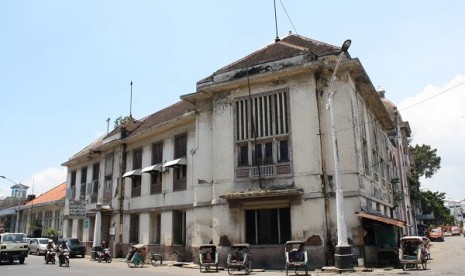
(55, 194)
(290, 46)
(132, 127)
(165, 115)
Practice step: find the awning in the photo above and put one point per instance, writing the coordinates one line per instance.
(153, 168)
(176, 162)
(133, 173)
(383, 219)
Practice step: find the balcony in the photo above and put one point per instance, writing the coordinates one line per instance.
(267, 171)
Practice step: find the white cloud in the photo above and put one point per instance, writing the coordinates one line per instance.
(45, 180)
(437, 118)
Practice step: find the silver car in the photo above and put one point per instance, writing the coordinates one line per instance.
(38, 245)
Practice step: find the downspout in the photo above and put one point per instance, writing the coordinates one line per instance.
(122, 190)
(324, 180)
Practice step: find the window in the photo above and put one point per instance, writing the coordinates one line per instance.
(136, 179)
(57, 220)
(72, 185)
(157, 153)
(108, 172)
(156, 176)
(95, 182)
(134, 229)
(180, 146)
(243, 155)
(137, 159)
(268, 226)
(262, 130)
(179, 227)
(180, 171)
(155, 229)
(179, 181)
(83, 182)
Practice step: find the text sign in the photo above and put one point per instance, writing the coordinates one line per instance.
(77, 210)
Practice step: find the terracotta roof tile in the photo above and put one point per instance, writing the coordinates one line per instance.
(165, 115)
(290, 46)
(54, 194)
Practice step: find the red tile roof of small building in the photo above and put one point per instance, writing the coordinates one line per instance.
(55, 194)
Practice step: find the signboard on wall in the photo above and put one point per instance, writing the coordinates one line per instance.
(77, 210)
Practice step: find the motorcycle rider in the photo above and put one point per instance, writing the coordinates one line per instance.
(61, 248)
(50, 246)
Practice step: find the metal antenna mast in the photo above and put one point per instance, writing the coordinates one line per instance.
(130, 104)
(276, 22)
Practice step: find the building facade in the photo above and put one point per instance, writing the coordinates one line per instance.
(248, 158)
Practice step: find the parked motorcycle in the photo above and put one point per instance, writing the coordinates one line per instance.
(104, 256)
(50, 256)
(63, 257)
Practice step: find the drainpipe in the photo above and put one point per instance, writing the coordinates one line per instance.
(324, 180)
(122, 191)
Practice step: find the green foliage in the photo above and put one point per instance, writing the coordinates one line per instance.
(51, 232)
(426, 163)
(433, 202)
(121, 121)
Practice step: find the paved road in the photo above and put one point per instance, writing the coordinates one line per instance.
(448, 258)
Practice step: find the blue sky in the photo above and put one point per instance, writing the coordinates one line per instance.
(65, 67)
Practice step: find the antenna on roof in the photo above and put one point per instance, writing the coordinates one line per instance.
(130, 104)
(108, 124)
(276, 22)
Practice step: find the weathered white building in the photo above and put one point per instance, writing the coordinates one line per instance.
(248, 158)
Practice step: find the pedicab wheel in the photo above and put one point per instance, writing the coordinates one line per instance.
(130, 264)
(156, 260)
(139, 264)
(248, 267)
(109, 259)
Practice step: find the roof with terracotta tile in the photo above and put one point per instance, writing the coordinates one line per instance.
(132, 127)
(54, 194)
(290, 46)
(165, 115)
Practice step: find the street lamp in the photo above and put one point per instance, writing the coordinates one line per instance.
(98, 225)
(343, 252)
(21, 188)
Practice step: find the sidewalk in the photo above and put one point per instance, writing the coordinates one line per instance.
(324, 271)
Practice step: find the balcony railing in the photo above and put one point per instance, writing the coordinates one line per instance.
(265, 171)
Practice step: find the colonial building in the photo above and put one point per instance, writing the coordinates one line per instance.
(11, 209)
(45, 213)
(248, 157)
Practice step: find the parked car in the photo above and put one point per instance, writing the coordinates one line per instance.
(75, 246)
(456, 231)
(38, 245)
(436, 234)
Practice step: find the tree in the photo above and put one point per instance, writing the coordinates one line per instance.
(433, 202)
(121, 121)
(426, 163)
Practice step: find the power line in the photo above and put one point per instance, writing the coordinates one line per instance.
(440, 93)
(420, 102)
(288, 17)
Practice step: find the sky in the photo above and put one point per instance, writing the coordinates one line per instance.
(66, 66)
